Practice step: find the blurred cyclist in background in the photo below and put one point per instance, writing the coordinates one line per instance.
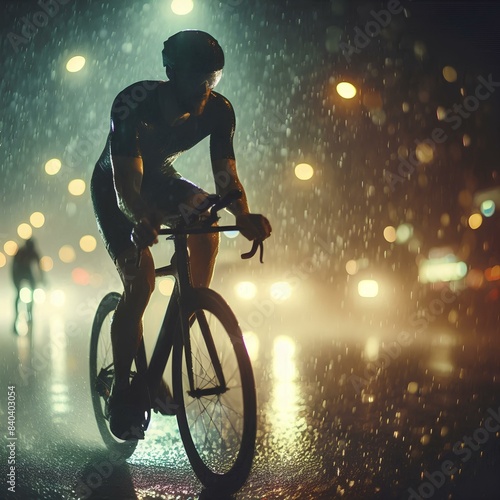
(26, 272)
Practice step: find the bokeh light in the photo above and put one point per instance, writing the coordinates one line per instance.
(475, 221)
(76, 187)
(346, 90)
(246, 290)
(351, 267)
(403, 233)
(231, 234)
(488, 208)
(450, 74)
(3, 260)
(304, 171)
(492, 273)
(390, 234)
(67, 254)
(368, 288)
(182, 7)
(10, 248)
(25, 231)
(39, 296)
(26, 295)
(53, 166)
(75, 64)
(88, 243)
(46, 263)
(424, 153)
(80, 276)
(37, 219)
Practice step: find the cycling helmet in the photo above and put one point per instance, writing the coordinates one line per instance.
(196, 52)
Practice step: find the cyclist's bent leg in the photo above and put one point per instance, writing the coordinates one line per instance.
(203, 249)
(126, 328)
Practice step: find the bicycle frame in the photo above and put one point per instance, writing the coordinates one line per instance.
(179, 268)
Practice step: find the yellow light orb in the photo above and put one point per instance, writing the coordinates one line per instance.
(246, 290)
(346, 90)
(10, 248)
(449, 74)
(182, 7)
(390, 234)
(475, 221)
(3, 260)
(424, 153)
(76, 187)
(46, 263)
(37, 219)
(88, 243)
(53, 166)
(351, 267)
(67, 254)
(75, 64)
(24, 231)
(368, 288)
(304, 171)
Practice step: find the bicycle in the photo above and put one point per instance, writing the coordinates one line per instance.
(213, 383)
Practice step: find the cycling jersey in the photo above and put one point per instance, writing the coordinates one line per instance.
(139, 129)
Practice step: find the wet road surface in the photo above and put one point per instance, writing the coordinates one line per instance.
(350, 412)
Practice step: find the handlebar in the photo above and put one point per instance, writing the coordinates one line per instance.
(206, 227)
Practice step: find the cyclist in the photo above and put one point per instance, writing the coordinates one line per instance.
(26, 270)
(135, 186)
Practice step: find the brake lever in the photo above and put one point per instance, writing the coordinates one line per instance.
(257, 244)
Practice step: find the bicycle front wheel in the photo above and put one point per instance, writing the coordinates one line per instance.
(217, 413)
(102, 373)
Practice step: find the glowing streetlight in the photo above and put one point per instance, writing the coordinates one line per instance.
(53, 166)
(368, 288)
(24, 231)
(304, 171)
(88, 243)
(76, 187)
(475, 221)
(182, 7)
(75, 64)
(37, 219)
(346, 90)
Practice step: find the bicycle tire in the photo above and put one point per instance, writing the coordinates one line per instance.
(101, 374)
(224, 463)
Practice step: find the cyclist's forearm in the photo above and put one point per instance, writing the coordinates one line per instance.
(226, 179)
(127, 176)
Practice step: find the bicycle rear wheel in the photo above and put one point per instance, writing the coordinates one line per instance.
(217, 420)
(102, 373)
